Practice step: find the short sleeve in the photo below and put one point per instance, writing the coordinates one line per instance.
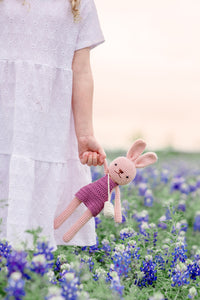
(90, 32)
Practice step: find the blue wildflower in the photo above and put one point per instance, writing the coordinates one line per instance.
(181, 205)
(148, 198)
(16, 262)
(15, 289)
(180, 275)
(149, 272)
(115, 284)
(196, 225)
(39, 264)
(179, 254)
(142, 188)
(164, 176)
(5, 249)
(69, 285)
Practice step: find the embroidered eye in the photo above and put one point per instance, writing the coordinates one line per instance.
(127, 177)
(115, 164)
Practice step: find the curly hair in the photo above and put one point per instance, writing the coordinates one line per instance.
(74, 8)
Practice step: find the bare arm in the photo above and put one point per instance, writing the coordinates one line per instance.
(82, 94)
(90, 151)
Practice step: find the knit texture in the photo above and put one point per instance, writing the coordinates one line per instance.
(95, 194)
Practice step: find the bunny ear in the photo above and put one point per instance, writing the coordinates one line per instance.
(146, 160)
(136, 149)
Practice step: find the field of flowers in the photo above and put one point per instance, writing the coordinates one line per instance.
(153, 255)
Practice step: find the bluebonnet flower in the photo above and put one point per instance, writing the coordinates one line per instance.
(116, 285)
(180, 275)
(106, 247)
(143, 226)
(15, 289)
(179, 254)
(161, 222)
(160, 262)
(123, 257)
(181, 205)
(142, 216)
(44, 248)
(184, 188)
(192, 186)
(149, 271)
(126, 204)
(61, 259)
(198, 182)
(139, 177)
(164, 176)
(176, 183)
(39, 264)
(16, 262)
(95, 174)
(51, 277)
(121, 260)
(193, 269)
(5, 249)
(148, 198)
(92, 249)
(196, 225)
(192, 293)
(99, 273)
(90, 263)
(155, 234)
(126, 233)
(97, 221)
(69, 285)
(142, 188)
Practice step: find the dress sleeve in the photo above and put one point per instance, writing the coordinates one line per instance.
(90, 33)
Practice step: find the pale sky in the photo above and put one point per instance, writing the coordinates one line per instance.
(147, 73)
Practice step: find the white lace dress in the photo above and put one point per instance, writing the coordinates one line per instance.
(39, 166)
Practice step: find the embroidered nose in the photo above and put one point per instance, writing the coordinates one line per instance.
(120, 171)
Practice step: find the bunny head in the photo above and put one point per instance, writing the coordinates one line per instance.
(122, 170)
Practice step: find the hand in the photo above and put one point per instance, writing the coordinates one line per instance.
(90, 152)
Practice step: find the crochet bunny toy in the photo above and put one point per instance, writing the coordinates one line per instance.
(95, 195)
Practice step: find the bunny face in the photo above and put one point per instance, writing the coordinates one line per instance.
(122, 170)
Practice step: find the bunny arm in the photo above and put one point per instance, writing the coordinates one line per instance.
(105, 164)
(66, 213)
(117, 207)
(77, 226)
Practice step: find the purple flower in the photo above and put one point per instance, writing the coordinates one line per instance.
(196, 225)
(16, 262)
(142, 188)
(181, 205)
(149, 272)
(180, 275)
(115, 284)
(69, 284)
(5, 249)
(15, 289)
(39, 264)
(148, 198)
(165, 176)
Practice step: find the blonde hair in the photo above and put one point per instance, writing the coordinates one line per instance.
(74, 8)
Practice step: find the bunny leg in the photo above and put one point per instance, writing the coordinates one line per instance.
(77, 226)
(66, 213)
(117, 208)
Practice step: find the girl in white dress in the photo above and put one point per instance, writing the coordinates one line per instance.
(46, 134)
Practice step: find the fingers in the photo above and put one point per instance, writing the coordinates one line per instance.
(92, 159)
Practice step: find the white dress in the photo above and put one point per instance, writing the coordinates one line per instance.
(40, 169)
